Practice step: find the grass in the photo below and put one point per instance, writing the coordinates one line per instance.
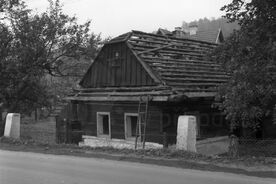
(41, 131)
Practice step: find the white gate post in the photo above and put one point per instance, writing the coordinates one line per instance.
(186, 133)
(12, 126)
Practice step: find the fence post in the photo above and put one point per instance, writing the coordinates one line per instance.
(57, 129)
(165, 140)
(233, 146)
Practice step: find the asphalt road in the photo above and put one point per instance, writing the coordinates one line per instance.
(35, 168)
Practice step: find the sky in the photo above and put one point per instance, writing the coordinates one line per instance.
(116, 17)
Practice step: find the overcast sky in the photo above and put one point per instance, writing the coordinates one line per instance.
(115, 17)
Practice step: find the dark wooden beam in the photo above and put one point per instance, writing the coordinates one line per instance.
(155, 49)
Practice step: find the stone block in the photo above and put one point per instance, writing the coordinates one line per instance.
(93, 141)
(186, 133)
(12, 127)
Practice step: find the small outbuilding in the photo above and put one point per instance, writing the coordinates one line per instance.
(149, 78)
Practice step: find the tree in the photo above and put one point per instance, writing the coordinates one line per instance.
(249, 57)
(33, 46)
(7, 4)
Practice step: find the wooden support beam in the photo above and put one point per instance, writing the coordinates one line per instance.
(194, 76)
(116, 98)
(173, 48)
(155, 49)
(125, 89)
(204, 62)
(163, 38)
(141, 93)
(195, 80)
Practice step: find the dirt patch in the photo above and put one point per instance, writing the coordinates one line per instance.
(261, 167)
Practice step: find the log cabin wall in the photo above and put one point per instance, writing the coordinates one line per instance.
(115, 66)
(162, 117)
(87, 114)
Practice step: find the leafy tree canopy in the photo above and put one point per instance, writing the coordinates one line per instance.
(249, 56)
(35, 45)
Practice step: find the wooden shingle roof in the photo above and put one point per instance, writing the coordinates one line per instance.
(180, 65)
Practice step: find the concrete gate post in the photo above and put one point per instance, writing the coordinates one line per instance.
(186, 133)
(12, 126)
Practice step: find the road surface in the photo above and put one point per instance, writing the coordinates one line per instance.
(35, 168)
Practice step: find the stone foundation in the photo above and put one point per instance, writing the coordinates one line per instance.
(94, 142)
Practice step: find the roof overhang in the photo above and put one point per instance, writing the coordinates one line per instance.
(136, 96)
(116, 98)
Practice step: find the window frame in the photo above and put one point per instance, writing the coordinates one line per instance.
(126, 125)
(109, 125)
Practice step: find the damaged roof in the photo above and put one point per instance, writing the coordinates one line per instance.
(180, 65)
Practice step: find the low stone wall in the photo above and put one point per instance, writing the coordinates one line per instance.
(93, 141)
(213, 146)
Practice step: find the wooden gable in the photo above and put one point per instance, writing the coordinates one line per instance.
(116, 66)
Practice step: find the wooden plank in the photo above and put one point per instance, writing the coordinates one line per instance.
(176, 79)
(176, 64)
(200, 94)
(141, 93)
(198, 85)
(133, 71)
(184, 68)
(139, 74)
(176, 70)
(194, 75)
(204, 62)
(134, 88)
(128, 71)
(163, 38)
(123, 70)
(116, 98)
(152, 48)
(94, 75)
(107, 70)
(155, 49)
(153, 43)
(173, 53)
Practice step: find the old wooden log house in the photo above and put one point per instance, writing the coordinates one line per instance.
(173, 75)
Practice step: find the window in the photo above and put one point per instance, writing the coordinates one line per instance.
(131, 121)
(103, 124)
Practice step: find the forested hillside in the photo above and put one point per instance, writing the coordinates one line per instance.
(206, 24)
